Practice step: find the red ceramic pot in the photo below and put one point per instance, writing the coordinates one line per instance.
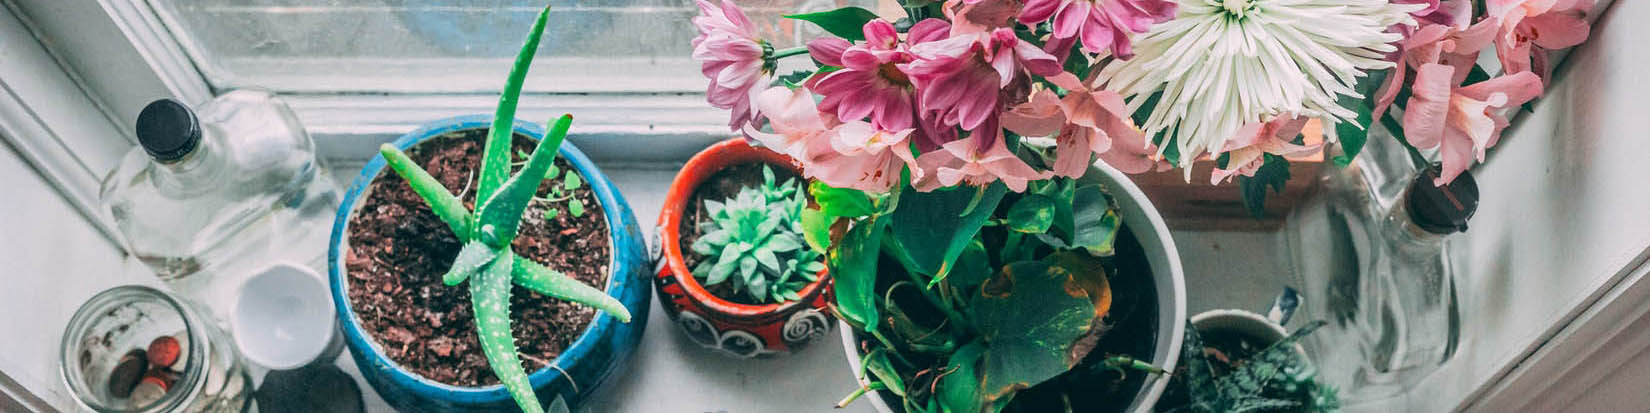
(742, 330)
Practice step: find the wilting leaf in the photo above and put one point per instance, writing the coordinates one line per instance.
(1031, 316)
(877, 363)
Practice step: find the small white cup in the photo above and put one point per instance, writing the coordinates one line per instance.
(283, 317)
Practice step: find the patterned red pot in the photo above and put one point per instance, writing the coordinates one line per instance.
(741, 330)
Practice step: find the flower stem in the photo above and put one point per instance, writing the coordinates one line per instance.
(784, 53)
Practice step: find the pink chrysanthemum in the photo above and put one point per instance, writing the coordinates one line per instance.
(1101, 25)
(731, 56)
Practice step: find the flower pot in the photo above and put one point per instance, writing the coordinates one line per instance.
(740, 330)
(602, 349)
(1168, 281)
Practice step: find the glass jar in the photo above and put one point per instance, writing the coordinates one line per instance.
(207, 376)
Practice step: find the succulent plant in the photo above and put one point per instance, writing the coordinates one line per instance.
(754, 241)
(486, 258)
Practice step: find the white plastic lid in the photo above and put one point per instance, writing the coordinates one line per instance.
(283, 317)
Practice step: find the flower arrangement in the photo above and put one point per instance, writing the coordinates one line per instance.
(949, 143)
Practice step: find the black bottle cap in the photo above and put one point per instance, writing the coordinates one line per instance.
(1442, 209)
(168, 130)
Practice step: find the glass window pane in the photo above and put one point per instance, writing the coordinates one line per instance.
(456, 45)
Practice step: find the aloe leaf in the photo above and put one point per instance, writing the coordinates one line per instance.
(470, 259)
(544, 280)
(501, 214)
(490, 295)
(446, 206)
(495, 156)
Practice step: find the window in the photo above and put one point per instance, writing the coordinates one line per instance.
(455, 46)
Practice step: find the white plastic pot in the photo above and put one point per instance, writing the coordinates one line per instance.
(1164, 260)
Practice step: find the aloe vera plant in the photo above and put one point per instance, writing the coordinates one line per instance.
(754, 241)
(486, 259)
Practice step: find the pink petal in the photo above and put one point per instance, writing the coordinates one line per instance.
(1428, 105)
(1036, 11)
(828, 50)
(1041, 115)
(1558, 30)
(879, 33)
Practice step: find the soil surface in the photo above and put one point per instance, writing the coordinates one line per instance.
(398, 251)
(720, 186)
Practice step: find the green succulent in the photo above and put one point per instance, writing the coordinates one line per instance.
(754, 241)
(486, 258)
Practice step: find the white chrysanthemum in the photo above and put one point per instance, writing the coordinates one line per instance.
(1223, 63)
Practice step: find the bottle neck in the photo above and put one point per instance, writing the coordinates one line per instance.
(1402, 229)
(195, 170)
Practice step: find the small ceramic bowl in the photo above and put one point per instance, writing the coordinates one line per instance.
(740, 330)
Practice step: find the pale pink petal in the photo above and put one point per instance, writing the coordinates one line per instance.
(828, 50)
(1428, 105)
(1041, 115)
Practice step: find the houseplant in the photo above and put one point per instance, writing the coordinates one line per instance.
(394, 263)
(707, 295)
(1238, 361)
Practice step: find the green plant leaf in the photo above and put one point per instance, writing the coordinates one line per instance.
(841, 202)
(1031, 315)
(1274, 173)
(501, 214)
(446, 206)
(575, 207)
(973, 267)
(1032, 214)
(853, 264)
(470, 258)
(571, 182)
(846, 22)
(877, 363)
(550, 213)
(1355, 132)
(490, 296)
(543, 280)
(960, 390)
(932, 228)
(1095, 220)
(816, 229)
(495, 155)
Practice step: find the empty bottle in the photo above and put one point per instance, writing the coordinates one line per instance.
(1371, 255)
(236, 184)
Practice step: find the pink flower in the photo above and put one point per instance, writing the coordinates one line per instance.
(960, 161)
(959, 79)
(1102, 25)
(731, 56)
(794, 119)
(1245, 152)
(1087, 122)
(869, 83)
(861, 157)
(1462, 121)
(1456, 45)
(976, 16)
(1530, 27)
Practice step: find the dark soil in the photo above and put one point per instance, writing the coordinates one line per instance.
(399, 251)
(1130, 328)
(720, 186)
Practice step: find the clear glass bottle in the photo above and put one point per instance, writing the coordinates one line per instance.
(207, 376)
(240, 182)
(1371, 255)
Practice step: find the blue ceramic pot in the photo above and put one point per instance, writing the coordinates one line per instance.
(594, 357)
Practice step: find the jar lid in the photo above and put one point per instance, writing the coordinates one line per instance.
(168, 130)
(1442, 209)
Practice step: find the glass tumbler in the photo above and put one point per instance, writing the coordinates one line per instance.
(206, 376)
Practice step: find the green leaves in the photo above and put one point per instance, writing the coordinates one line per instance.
(1031, 315)
(934, 227)
(1273, 378)
(960, 390)
(877, 363)
(846, 22)
(446, 206)
(1031, 214)
(490, 297)
(1354, 134)
(1274, 173)
(841, 202)
(853, 263)
(543, 280)
(1095, 220)
(495, 156)
(501, 214)
(470, 259)
(753, 240)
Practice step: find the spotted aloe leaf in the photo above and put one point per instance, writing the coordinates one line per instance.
(446, 206)
(544, 280)
(501, 214)
(495, 155)
(490, 295)
(1032, 315)
(470, 259)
